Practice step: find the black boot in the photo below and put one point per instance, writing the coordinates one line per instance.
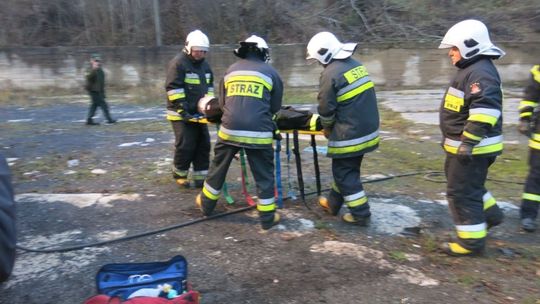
(91, 122)
(494, 216)
(182, 181)
(268, 219)
(331, 204)
(205, 204)
(358, 215)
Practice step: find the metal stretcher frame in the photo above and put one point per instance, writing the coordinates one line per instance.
(298, 159)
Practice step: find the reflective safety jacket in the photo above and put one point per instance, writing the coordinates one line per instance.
(471, 110)
(187, 81)
(250, 94)
(528, 107)
(348, 107)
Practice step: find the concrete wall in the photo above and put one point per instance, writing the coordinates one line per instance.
(390, 66)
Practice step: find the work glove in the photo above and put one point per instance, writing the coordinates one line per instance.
(276, 133)
(277, 136)
(524, 127)
(327, 132)
(464, 153)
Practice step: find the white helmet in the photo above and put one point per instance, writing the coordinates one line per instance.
(471, 37)
(251, 42)
(196, 40)
(324, 47)
(259, 42)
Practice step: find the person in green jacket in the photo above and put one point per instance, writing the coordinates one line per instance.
(95, 85)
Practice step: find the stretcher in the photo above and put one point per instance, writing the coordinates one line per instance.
(298, 161)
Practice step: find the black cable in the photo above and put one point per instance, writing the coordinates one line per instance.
(130, 237)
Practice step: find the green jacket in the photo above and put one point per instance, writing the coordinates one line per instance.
(95, 80)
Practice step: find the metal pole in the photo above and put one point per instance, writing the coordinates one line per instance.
(157, 23)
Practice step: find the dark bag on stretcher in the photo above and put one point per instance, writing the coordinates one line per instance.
(125, 280)
(289, 118)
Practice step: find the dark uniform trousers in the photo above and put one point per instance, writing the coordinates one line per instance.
(465, 193)
(346, 172)
(261, 162)
(98, 100)
(529, 208)
(192, 143)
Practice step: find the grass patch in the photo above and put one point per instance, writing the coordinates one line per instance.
(147, 96)
(148, 126)
(300, 96)
(398, 256)
(429, 243)
(467, 280)
(322, 225)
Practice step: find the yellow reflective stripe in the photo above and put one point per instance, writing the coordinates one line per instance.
(535, 71)
(182, 173)
(472, 234)
(173, 117)
(209, 194)
(266, 208)
(335, 187)
(176, 96)
(483, 118)
(200, 175)
(525, 114)
(192, 81)
(244, 139)
(313, 122)
(356, 73)
(357, 202)
(457, 248)
(527, 103)
(535, 136)
(357, 91)
(249, 79)
(489, 202)
(531, 197)
(355, 148)
(534, 144)
(210, 93)
(475, 231)
(471, 136)
(478, 150)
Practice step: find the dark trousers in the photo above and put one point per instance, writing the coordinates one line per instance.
(346, 172)
(192, 145)
(98, 100)
(261, 162)
(465, 191)
(529, 207)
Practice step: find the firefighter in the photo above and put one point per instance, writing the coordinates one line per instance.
(350, 118)
(250, 94)
(471, 125)
(189, 78)
(529, 125)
